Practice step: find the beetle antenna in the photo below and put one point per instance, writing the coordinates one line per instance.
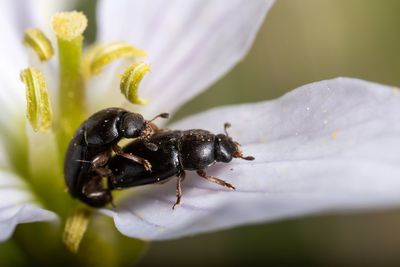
(226, 126)
(161, 115)
(247, 157)
(238, 153)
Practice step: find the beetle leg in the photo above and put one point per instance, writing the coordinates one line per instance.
(151, 128)
(100, 160)
(180, 177)
(103, 172)
(118, 150)
(214, 179)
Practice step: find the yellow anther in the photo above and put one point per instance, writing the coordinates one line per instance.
(108, 53)
(38, 105)
(69, 25)
(40, 44)
(130, 81)
(75, 228)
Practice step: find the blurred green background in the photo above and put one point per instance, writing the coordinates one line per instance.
(301, 41)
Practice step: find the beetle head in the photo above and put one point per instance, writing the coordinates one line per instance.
(227, 149)
(132, 125)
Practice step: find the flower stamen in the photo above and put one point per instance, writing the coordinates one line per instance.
(130, 81)
(38, 104)
(106, 54)
(75, 227)
(40, 44)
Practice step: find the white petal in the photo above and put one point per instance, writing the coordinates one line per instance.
(17, 205)
(15, 17)
(330, 146)
(16, 202)
(190, 44)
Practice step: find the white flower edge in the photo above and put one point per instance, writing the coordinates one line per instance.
(22, 213)
(17, 205)
(190, 45)
(329, 146)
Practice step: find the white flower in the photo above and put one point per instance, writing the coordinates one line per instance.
(330, 146)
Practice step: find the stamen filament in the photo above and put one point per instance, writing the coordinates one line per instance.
(40, 44)
(38, 104)
(130, 81)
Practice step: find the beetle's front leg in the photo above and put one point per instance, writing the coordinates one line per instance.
(118, 150)
(102, 171)
(100, 160)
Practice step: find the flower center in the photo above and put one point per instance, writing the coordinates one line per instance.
(53, 130)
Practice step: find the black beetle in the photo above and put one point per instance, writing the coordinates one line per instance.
(90, 149)
(192, 150)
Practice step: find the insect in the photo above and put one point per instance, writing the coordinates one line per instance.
(178, 151)
(91, 148)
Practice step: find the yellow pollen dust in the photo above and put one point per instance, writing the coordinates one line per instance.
(38, 41)
(69, 25)
(130, 81)
(98, 56)
(75, 227)
(38, 104)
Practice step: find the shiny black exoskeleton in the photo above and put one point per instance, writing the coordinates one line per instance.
(193, 150)
(90, 150)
